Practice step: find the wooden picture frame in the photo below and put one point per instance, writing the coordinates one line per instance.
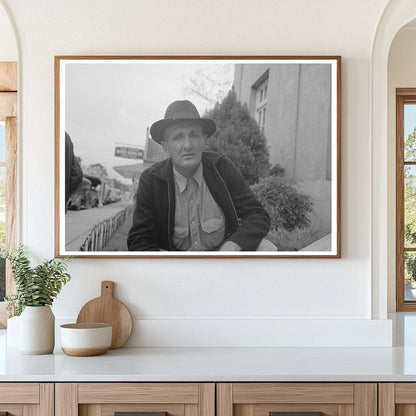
(284, 139)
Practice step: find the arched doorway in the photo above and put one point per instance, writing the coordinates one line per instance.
(396, 15)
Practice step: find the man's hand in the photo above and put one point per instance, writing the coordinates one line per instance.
(230, 246)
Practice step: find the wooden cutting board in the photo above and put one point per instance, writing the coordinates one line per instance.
(109, 310)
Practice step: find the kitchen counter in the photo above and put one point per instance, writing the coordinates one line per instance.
(215, 364)
(222, 364)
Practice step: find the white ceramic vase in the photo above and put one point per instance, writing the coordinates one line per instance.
(37, 330)
(12, 333)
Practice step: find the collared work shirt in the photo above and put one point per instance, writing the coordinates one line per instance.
(199, 221)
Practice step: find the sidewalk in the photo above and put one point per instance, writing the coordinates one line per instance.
(118, 242)
(79, 223)
(323, 244)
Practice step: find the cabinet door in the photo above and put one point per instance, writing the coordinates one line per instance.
(26, 399)
(142, 399)
(297, 399)
(397, 399)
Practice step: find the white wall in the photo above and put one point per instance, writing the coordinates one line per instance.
(203, 302)
(401, 74)
(8, 46)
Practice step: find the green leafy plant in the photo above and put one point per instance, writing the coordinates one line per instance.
(35, 285)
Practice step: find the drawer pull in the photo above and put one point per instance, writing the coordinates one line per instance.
(295, 413)
(140, 414)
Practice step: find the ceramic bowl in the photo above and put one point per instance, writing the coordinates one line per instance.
(84, 340)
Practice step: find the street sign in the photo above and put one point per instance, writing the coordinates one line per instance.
(128, 152)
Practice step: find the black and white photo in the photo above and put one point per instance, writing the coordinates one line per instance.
(198, 156)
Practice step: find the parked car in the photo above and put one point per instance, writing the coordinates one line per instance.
(112, 195)
(86, 195)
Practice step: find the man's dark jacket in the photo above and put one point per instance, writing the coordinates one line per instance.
(246, 221)
(73, 171)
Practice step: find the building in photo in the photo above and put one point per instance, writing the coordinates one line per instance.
(292, 105)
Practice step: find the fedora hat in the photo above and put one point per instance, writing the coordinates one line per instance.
(181, 112)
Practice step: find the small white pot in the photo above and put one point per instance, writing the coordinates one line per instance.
(85, 339)
(37, 330)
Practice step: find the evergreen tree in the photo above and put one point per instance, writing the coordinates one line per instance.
(238, 136)
(410, 146)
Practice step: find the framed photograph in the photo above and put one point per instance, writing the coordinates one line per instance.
(198, 156)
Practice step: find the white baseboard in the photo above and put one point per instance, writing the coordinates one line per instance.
(255, 332)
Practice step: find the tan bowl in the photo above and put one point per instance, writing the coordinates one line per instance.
(83, 340)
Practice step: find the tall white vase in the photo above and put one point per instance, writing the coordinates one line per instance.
(12, 333)
(37, 330)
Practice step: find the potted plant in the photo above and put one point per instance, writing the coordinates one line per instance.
(36, 289)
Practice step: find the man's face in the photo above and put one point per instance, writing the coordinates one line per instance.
(184, 143)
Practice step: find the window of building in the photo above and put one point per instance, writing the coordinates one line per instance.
(8, 165)
(406, 199)
(261, 104)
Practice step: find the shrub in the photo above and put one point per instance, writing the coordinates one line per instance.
(287, 207)
(239, 137)
(277, 170)
(410, 269)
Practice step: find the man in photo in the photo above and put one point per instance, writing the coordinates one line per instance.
(195, 200)
(73, 171)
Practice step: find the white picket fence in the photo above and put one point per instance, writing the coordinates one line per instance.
(101, 233)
